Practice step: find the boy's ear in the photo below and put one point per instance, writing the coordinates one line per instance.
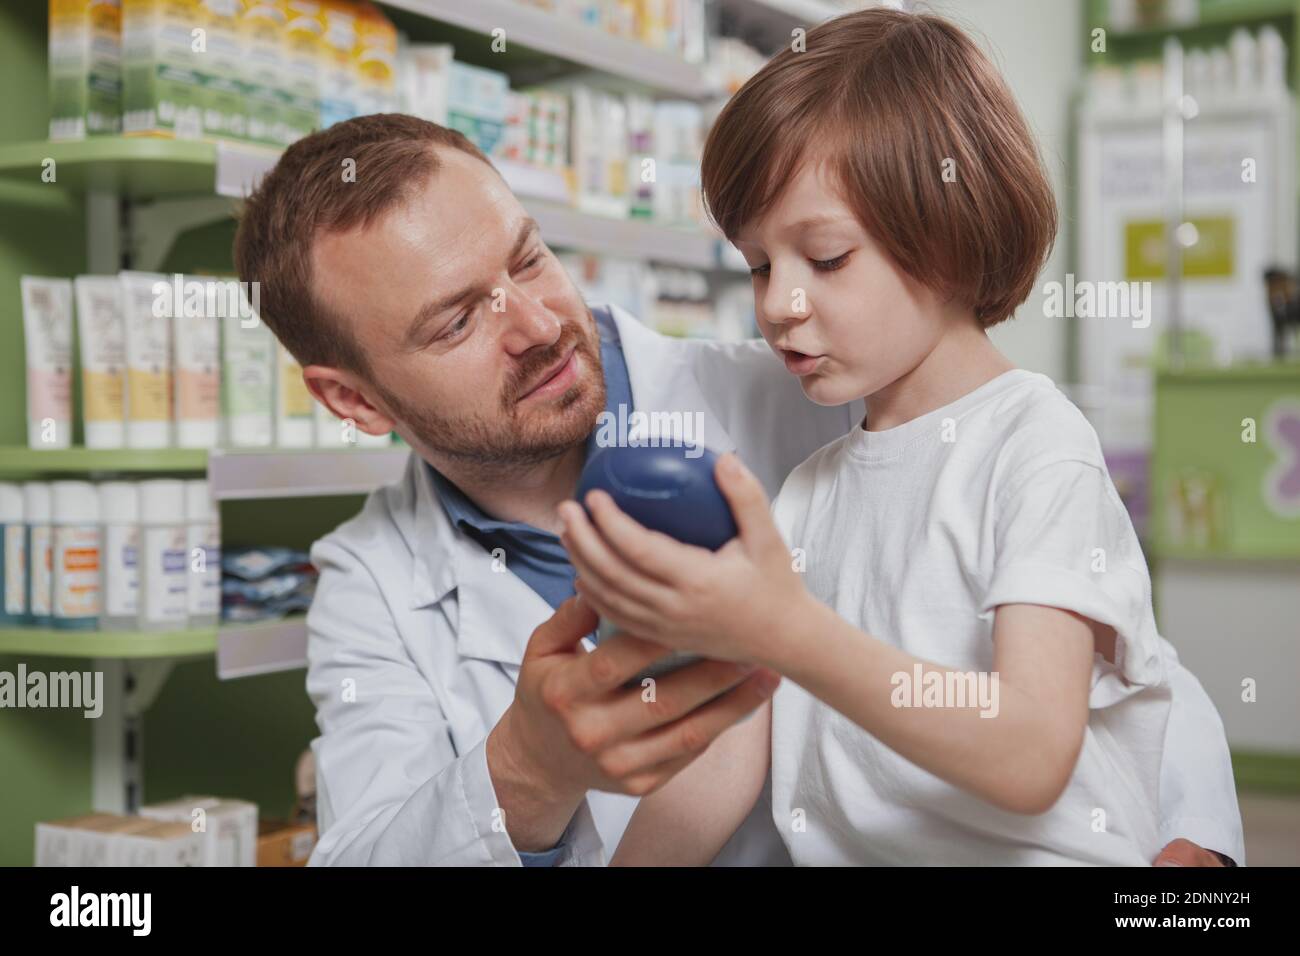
(341, 392)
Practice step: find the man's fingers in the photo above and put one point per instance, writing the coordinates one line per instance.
(748, 500)
(676, 694)
(692, 734)
(613, 663)
(572, 621)
(1182, 852)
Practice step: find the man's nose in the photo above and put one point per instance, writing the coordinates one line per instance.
(527, 323)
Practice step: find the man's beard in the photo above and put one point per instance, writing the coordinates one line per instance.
(519, 437)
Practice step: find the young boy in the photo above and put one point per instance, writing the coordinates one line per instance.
(974, 671)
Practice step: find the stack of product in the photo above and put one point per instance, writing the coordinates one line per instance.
(262, 72)
(166, 361)
(163, 834)
(265, 584)
(117, 555)
(676, 27)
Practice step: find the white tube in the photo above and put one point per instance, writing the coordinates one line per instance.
(47, 329)
(248, 382)
(198, 375)
(102, 336)
(294, 423)
(146, 306)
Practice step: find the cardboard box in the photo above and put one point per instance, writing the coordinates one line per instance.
(105, 839)
(280, 843)
(228, 828)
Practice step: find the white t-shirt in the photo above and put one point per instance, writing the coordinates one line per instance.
(915, 535)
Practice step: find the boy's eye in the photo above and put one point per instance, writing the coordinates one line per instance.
(830, 265)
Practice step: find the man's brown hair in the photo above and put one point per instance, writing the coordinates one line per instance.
(892, 101)
(333, 180)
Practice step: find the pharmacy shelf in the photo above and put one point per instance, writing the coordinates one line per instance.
(136, 168)
(147, 169)
(569, 39)
(242, 650)
(233, 474)
(570, 228)
(22, 462)
(53, 642)
(264, 648)
(245, 475)
(783, 13)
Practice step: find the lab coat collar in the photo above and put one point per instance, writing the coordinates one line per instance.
(663, 379)
(497, 611)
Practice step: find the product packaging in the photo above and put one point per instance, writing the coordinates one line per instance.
(40, 566)
(164, 558)
(146, 308)
(75, 554)
(294, 420)
(47, 331)
(101, 332)
(13, 555)
(203, 536)
(120, 512)
(85, 68)
(248, 382)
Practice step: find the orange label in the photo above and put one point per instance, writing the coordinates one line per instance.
(81, 559)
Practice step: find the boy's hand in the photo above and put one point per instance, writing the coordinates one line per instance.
(735, 604)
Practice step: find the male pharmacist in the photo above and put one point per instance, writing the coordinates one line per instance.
(462, 719)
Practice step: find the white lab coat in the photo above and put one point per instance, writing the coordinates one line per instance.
(415, 646)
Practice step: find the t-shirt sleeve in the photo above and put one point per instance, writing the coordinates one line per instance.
(1062, 538)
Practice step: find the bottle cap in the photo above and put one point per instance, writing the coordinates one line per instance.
(11, 503)
(74, 502)
(162, 501)
(199, 506)
(36, 502)
(119, 503)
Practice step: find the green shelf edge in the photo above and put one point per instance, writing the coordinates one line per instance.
(1259, 772)
(20, 461)
(198, 642)
(137, 167)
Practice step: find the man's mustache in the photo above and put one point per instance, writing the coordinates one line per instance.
(524, 377)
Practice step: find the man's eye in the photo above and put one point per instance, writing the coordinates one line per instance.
(458, 326)
(762, 270)
(830, 265)
(532, 261)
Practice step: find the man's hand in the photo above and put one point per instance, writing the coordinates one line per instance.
(574, 727)
(1186, 853)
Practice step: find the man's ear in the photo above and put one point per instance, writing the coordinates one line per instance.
(341, 392)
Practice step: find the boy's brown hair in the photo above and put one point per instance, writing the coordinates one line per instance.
(333, 180)
(892, 101)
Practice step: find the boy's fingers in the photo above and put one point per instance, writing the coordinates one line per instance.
(653, 552)
(748, 500)
(602, 567)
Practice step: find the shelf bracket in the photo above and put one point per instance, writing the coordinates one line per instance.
(117, 763)
(154, 225)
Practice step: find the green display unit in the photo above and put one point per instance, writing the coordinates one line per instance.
(1226, 463)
